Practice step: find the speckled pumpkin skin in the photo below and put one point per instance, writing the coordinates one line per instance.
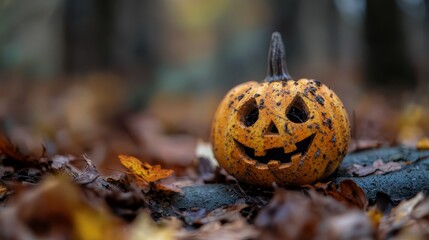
(327, 123)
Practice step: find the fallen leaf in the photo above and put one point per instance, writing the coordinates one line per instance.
(415, 226)
(291, 215)
(224, 214)
(128, 201)
(192, 215)
(144, 171)
(349, 193)
(378, 167)
(421, 210)
(400, 216)
(57, 208)
(9, 149)
(348, 225)
(287, 207)
(59, 161)
(375, 215)
(167, 185)
(92, 225)
(145, 228)
(423, 144)
(89, 174)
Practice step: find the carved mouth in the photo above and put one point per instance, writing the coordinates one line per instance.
(278, 154)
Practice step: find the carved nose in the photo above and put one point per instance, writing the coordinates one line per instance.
(272, 129)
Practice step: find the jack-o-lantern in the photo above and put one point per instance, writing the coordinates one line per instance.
(290, 132)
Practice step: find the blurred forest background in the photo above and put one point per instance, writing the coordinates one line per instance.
(144, 77)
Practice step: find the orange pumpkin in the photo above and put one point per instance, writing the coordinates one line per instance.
(290, 132)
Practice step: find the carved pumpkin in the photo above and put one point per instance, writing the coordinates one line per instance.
(290, 132)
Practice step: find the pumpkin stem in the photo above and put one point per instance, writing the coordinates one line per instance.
(277, 70)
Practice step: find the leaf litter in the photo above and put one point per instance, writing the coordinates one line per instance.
(65, 195)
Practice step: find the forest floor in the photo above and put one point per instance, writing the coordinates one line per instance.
(146, 178)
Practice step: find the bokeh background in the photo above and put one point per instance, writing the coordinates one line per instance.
(138, 77)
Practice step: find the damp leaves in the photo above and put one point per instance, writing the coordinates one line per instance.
(144, 171)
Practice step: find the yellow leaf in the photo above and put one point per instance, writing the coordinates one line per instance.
(144, 228)
(90, 224)
(144, 170)
(61, 204)
(375, 216)
(423, 143)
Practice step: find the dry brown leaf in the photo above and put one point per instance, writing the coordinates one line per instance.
(201, 216)
(423, 144)
(290, 207)
(144, 171)
(417, 226)
(421, 210)
(7, 148)
(378, 167)
(291, 215)
(349, 193)
(228, 214)
(401, 216)
(167, 185)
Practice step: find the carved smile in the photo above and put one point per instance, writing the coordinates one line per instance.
(277, 154)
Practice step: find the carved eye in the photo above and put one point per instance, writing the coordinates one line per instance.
(249, 113)
(297, 111)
